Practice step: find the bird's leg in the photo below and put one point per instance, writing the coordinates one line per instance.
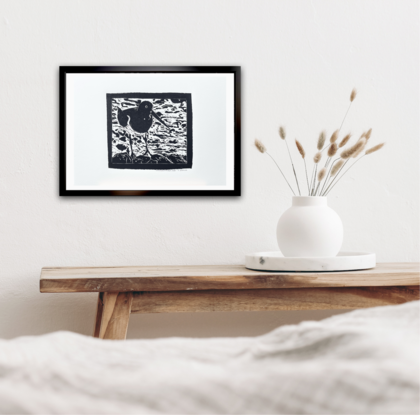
(136, 143)
(131, 147)
(142, 136)
(146, 138)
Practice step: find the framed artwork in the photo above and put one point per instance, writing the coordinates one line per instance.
(150, 131)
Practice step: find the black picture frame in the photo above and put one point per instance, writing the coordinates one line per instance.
(64, 70)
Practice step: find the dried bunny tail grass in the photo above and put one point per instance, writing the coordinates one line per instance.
(302, 153)
(321, 140)
(300, 148)
(332, 150)
(334, 136)
(344, 141)
(369, 151)
(368, 133)
(356, 153)
(336, 167)
(322, 174)
(373, 149)
(350, 151)
(353, 95)
(282, 133)
(317, 157)
(260, 146)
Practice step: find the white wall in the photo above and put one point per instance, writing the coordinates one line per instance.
(300, 60)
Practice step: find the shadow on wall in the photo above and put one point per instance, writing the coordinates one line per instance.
(218, 324)
(75, 312)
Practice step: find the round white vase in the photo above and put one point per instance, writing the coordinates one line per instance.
(309, 228)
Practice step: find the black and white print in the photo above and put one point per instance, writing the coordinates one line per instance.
(149, 131)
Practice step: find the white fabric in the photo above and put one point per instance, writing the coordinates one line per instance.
(362, 362)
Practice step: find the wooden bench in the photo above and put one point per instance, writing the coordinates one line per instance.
(169, 289)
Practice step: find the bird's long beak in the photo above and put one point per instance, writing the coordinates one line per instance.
(159, 119)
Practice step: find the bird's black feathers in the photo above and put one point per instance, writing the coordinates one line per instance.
(140, 117)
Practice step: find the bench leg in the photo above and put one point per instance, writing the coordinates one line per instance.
(113, 314)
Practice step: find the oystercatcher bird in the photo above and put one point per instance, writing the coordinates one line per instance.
(139, 120)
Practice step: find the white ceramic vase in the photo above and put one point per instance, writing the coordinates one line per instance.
(309, 228)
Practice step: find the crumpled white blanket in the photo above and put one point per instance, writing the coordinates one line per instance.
(362, 362)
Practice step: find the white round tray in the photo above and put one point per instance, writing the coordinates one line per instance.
(344, 261)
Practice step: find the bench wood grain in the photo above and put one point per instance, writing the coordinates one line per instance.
(112, 322)
(167, 289)
(216, 277)
(271, 299)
